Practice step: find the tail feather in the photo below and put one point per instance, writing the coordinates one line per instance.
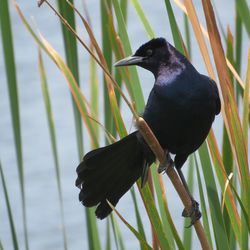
(108, 173)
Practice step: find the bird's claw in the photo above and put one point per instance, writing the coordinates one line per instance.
(194, 213)
(168, 163)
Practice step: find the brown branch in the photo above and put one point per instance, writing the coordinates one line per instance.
(161, 156)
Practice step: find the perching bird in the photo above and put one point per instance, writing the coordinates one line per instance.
(180, 111)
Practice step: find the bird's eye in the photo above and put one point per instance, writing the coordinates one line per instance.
(149, 52)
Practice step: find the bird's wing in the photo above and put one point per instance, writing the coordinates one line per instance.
(216, 91)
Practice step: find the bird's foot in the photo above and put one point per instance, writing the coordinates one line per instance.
(168, 163)
(194, 213)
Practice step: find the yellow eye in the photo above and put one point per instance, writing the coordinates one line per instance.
(149, 52)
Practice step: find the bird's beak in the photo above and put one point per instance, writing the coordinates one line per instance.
(131, 60)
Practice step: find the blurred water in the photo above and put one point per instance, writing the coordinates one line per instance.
(43, 216)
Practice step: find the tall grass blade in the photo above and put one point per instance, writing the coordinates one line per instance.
(70, 48)
(47, 102)
(213, 199)
(93, 236)
(137, 234)
(114, 231)
(117, 72)
(230, 50)
(138, 216)
(191, 12)
(178, 42)
(135, 87)
(187, 233)
(198, 37)
(124, 9)
(154, 217)
(222, 178)
(118, 50)
(79, 98)
(10, 215)
(94, 93)
(107, 53)
(117, 233)
(143, 18)
(93, 81)
(238, 49)
(187, 35)
(92, 230)
(109, 79)
(10, 68)
(243, 209)
(232, 116)
(108, 235)
(1, 246)
(160, 199)
(68, 12)
(244, 12)
(203, 203)
(226, 148)
(167, 220)
(238, 40)
(245, 124)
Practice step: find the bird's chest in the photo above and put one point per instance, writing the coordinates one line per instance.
(175, 116)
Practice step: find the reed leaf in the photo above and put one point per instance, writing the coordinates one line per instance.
(213, 200)
(47, 102)
(135, 87)
(167, 220)
(222, 177)
(232, 116)
(94, 93)
(70, 48)
(238, 38)
(199, 36)
(187, 233)
(9, 211)
(117, 233)
(137, 234)
(107, 53)
(108, 235)
(203, 203)
(138, 216)
(159, 194)
(143, 18)
(245, 125)
(178, 42)
(244, 12)
(154, 217)
(78, 96)
(10, 68)
(187, 35)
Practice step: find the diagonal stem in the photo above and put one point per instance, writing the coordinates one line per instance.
(155, 146)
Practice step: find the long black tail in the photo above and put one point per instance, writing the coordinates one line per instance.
(108, 173)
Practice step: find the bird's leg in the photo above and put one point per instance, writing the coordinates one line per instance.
(168, 163)
(194, 213)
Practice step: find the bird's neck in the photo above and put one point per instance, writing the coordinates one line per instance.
(167, 74)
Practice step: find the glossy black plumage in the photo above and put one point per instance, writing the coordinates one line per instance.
(180, 111)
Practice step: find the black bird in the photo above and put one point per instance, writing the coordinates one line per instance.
(180, 111)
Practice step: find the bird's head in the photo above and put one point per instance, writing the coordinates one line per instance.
(150, 55)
